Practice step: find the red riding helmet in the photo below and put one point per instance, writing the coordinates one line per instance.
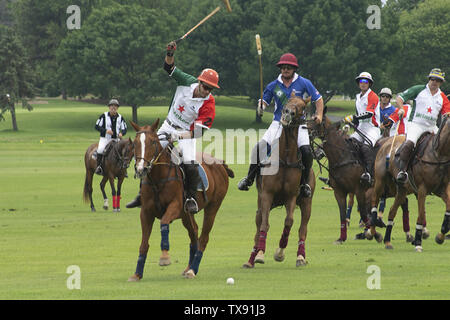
(210, 77)
(288, 58)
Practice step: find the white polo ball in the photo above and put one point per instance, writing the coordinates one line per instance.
(230, 281)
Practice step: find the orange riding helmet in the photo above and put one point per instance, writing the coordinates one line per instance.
(209, 76)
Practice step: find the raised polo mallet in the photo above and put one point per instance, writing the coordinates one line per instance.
(227, 4)
(259, 49)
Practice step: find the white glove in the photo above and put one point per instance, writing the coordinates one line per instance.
(174, 136)
(261, 107)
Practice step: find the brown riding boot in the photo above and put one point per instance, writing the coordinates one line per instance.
(404, 154)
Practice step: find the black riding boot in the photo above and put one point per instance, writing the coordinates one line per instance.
(137, 201)
(403, 155)
(307, 160)
(367, 155)
(192, 182)
(259, 151)
(99, 169)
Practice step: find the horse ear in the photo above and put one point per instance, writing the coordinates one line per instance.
(155, 125)
(135, 126)
(307, 100)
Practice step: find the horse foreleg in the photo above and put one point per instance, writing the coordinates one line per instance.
(113, 192)
(305, 208)
(341, 198)
(102, 188)
(172, 212)
(266, 203)
(118, 193)
(405, 220)
(251, 261)
(399, 199)
(288, 221)
(421, 196)
(146, 225)
(192, 228)
(440, 237)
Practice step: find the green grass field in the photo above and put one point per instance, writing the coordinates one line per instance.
(45, 228)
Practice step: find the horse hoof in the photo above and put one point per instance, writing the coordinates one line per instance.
(259, 257)
(368, 235)
(360, 236)
(439, 239)
(164, 261)
(279, 254)
(338, 241)
(189, 274)
(425, 233)
(301, 261)
(378, 237)
(93, 210)
(134, 278)
(248, 265)
(409, 238)
(105, 207)
(419, 249)
(447, 236)
(388, 246)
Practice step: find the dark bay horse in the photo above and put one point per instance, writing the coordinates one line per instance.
(283, 188)
(115, 166)
(162, 197)
(345, 169)
(428, 174)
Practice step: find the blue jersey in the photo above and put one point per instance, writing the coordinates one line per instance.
(386, 112)
(281, 94)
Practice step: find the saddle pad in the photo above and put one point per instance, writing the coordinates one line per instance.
(204, 179)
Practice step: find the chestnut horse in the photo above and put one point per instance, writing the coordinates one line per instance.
(428, 173)
(115, 166)
(283, 188)
(162, 197)
(345, 169)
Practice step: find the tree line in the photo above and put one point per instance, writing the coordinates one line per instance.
(119, 49)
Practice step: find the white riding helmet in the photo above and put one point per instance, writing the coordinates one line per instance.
(364, 75)
(114, 101)
(386, 91)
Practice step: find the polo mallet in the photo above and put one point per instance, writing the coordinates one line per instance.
(198, 24)
(259, 49)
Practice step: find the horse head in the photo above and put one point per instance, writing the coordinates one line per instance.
(294, 112)
(126, 148)
(147, 148)
(442, 138)
(323, 129)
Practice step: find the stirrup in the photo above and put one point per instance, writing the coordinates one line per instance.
(305, 190)
(402, 176)
(244, 184)
(191, 206)
(365, 177)
(99, 170)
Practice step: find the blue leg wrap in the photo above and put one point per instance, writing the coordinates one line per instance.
(192, 251)
(164, 237)
(140, 264)
(196, 262)
(349, 212)
(382, 204)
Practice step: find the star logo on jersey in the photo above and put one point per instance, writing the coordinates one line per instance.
(181, 108)
(429, 110)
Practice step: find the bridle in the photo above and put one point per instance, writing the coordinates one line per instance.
(292, 119)
(148, 164)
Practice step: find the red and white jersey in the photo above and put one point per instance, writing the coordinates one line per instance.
(400, 125)
(367, 103)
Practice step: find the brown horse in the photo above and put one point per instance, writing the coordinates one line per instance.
(115, 166)
(283, 188)
(428, 174)
(345, 169)
(162, 197)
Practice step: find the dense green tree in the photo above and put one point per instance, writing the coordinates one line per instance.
(15, 75)
(118, 52)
